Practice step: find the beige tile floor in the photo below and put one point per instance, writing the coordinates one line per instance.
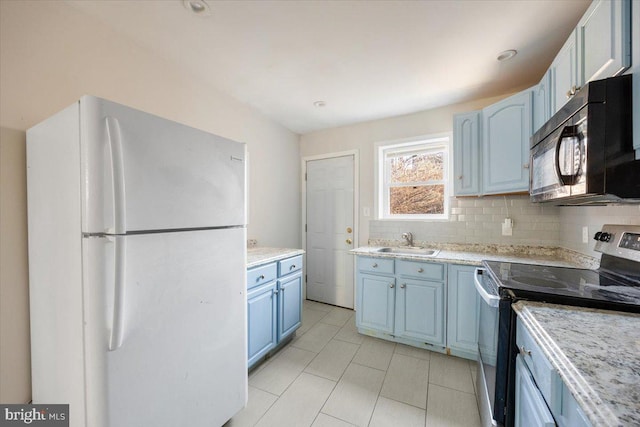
(329, 375)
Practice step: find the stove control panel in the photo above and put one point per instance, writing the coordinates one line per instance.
(619, 240)
(630, 241)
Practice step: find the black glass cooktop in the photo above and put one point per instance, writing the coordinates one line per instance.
(573, 286)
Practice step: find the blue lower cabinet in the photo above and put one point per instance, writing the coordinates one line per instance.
(540, 391)
(420, 311)
(261, 321)
(274, 308)
(463, 312)
(392, 301)
(531, 409)
(290, 305)
(375, 302)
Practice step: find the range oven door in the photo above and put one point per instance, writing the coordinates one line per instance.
(559, 162)
(488, 331)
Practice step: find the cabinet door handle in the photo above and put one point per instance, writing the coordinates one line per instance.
(460, 177)
(525, 166)
(391, 285)
(524, 351)
(349, 241)
(275, 292)
(420, 270)
(261, 277)
(374, 265)
(404, 285)
(292, 267)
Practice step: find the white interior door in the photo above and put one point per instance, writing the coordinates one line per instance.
(330, 230)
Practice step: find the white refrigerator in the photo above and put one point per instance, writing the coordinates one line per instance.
(137, 266)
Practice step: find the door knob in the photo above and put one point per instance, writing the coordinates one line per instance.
(349, 241)
(404, 285)
(349, 230)
(391, 285)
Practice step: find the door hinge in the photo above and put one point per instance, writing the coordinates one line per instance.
(305, 176)
(305, 278)
(305, 228)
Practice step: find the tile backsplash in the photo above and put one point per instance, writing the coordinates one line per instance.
(479, 220)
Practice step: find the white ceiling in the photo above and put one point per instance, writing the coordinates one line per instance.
(366, 59)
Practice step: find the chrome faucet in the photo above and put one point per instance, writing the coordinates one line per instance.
(408, 237)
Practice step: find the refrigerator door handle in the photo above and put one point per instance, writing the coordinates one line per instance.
(117, 323)
(114, 136)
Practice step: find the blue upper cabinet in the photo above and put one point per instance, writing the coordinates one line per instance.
(564, 73)
(542, 101)
(466, 150)
(506, 129)
(604, 40)
(598, 48)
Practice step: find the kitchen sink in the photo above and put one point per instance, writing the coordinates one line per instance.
(410, 250)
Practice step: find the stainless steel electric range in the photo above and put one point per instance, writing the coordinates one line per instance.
(613, 286)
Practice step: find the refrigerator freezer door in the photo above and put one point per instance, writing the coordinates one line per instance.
(182, 355)
(142, 173)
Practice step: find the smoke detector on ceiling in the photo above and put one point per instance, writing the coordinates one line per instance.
(197, 7)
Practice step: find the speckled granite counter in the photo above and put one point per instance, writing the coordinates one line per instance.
(597, 355)
(259, 256)
(475, 254)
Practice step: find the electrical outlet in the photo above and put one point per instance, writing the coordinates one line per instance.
(507, 227)
(585, 234)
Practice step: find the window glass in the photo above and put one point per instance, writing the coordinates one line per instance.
(413, 180)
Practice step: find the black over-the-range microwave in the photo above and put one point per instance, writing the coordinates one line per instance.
(584, 154)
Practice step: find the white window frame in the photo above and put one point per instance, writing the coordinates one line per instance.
(440, 142)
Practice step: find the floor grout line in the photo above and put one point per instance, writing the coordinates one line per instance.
(358, 347)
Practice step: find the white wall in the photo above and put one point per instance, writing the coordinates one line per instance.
(473, 220)
(15, 360)
(50, 55)
(363, 136)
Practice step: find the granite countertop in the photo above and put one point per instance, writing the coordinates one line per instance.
(258, 255)
(475, 254)
(595, 352)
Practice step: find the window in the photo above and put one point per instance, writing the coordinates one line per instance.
(413, 179)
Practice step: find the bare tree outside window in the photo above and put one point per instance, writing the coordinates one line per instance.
(413, 179)
(408, 191)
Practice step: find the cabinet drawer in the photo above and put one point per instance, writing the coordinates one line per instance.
(376, 265)
(545, 375)
(260, 275)
(421, 270)
(289, 265)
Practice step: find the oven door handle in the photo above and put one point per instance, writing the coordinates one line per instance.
(491, 300)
